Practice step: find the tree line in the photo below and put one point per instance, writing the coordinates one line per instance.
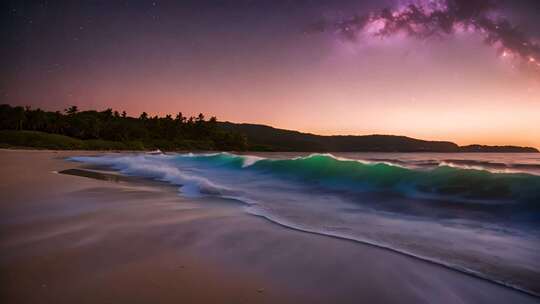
(168, 132)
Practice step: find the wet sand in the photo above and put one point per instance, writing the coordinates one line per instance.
(66, 238)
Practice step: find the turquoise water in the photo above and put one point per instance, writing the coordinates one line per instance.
(477, 213)
(356, 175)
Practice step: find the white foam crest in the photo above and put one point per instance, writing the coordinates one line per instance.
(367, 162)
(247, 160)
(157, 168)
(191, 154)
(479, 168)
(250, 160)
(315, 155)
(341, 158)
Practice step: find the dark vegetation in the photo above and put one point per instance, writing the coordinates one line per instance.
(112, 130)
(506, 149)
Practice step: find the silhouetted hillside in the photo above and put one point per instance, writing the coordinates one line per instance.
(505, 149)
(102, 130)
(261, 137)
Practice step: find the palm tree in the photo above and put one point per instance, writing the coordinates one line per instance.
(180, 118)
(200, 117)
(72, 110)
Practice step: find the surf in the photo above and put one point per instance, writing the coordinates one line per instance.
(327, 170)
(462, 218)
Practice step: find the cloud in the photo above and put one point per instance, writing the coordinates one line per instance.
(427, 19)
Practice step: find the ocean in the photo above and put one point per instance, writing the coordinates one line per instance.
(473, 212)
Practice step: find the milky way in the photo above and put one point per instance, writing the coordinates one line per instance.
(435, 19)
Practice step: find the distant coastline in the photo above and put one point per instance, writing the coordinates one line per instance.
(111, 130)
(266, 138)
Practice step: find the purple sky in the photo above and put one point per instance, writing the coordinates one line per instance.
(466, 71)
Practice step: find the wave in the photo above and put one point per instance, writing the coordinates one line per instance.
(157, 167)
(305, 193)
(464, 181)
(491, 166)
(445, 181)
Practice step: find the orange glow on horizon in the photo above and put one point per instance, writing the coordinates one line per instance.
(456, 89)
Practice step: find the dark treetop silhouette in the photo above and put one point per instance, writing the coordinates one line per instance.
(114, 130)
(111, 129)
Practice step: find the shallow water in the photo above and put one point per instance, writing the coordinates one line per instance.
(478, 213)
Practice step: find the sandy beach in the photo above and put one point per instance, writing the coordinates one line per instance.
(72, 239)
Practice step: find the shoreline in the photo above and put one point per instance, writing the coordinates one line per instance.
(97, 174)
(455, 268)
(218, 234)
(117, 177)
(256, 151)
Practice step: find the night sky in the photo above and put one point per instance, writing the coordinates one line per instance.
(460, 70)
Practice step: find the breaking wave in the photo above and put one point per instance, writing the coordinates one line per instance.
(462, 213)
(445, 180)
